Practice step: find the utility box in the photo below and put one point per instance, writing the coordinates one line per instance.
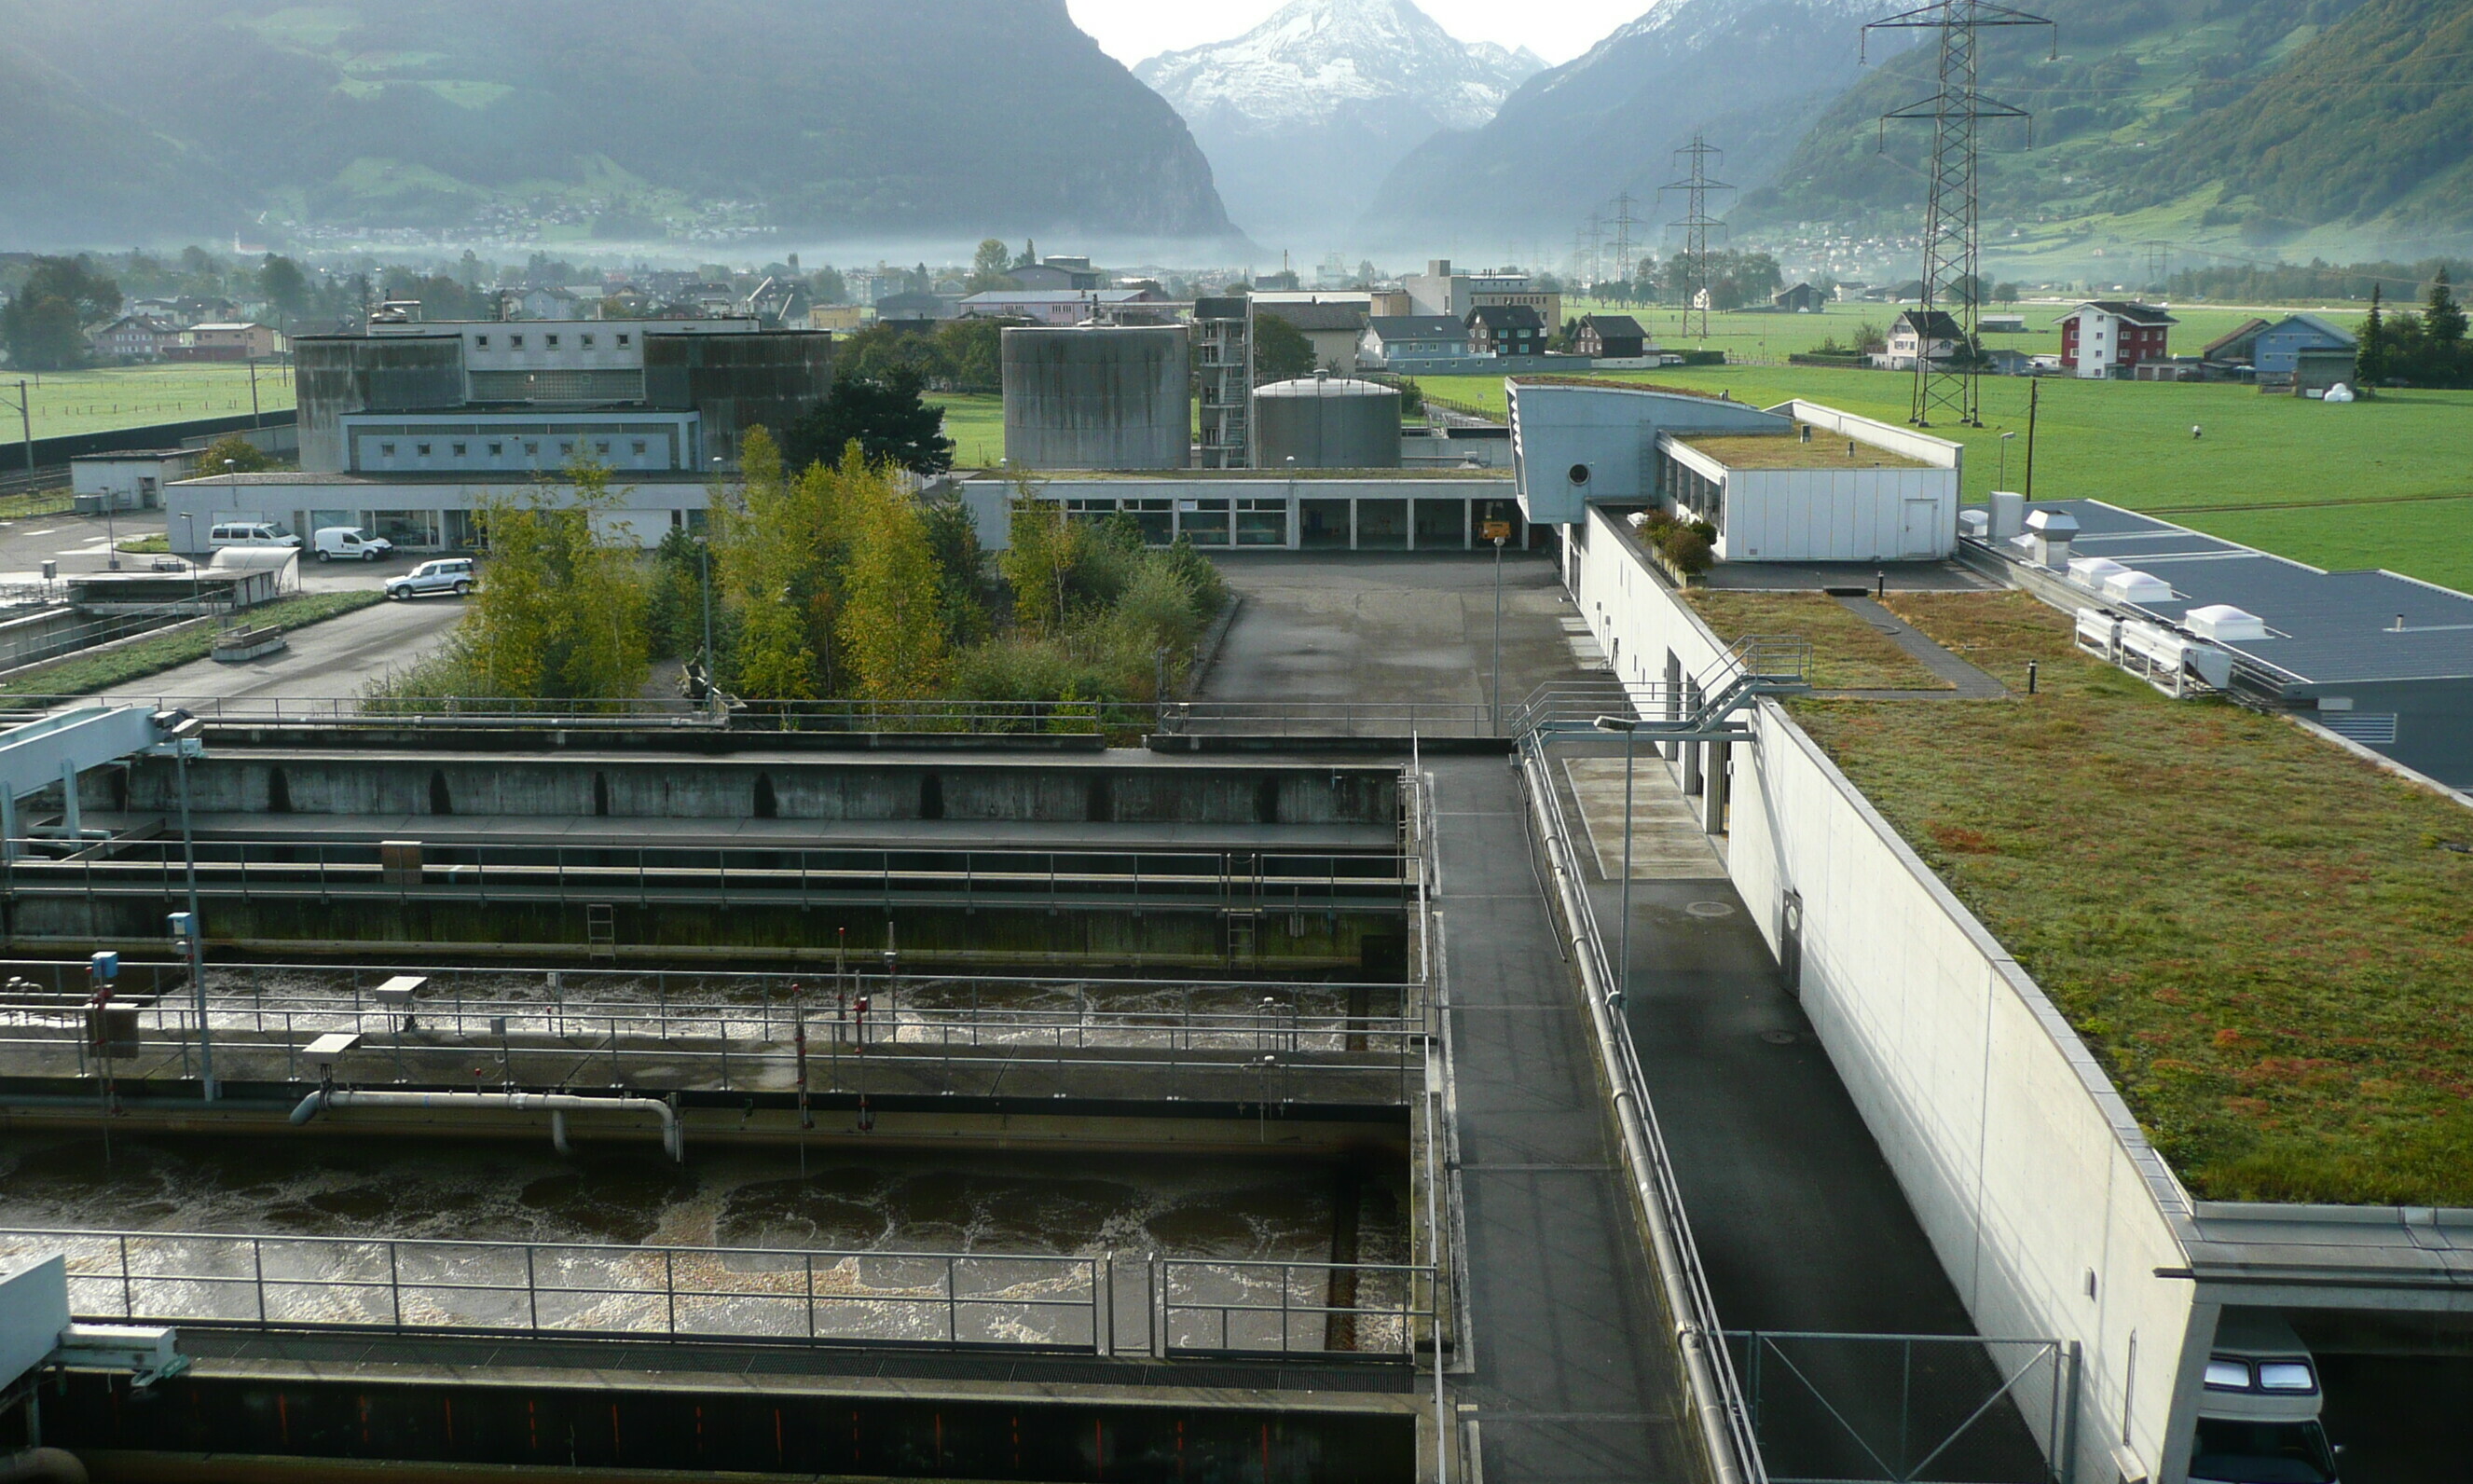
(399, 862)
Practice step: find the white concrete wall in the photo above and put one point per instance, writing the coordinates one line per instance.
(1839, 516)
(2023, 1166)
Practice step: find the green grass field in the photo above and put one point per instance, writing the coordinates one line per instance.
(976, 424)
(1755, 336)
(2382, 483)
(127, 396)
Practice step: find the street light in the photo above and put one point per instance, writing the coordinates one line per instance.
(2004, 459)
(197, 592)
(190, 927)
(1630, 730)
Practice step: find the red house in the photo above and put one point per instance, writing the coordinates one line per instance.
(2106, 337)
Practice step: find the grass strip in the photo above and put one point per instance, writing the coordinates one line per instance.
(1847, 653)
(38, 502)
(2264, 938)
(79, 676)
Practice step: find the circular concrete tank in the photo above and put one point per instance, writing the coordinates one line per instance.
(1327, 421)
(1099, 397)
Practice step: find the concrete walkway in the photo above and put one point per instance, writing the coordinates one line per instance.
(1576, 1377)
(1970, 682)
(1800, 1223)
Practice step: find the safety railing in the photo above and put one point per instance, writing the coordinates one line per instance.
(1727, 1420)
(1113, 719)
(1906, 1408)
(1250, 880)
(1091, 1305)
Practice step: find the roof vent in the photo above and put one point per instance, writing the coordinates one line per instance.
(2135, 587)
(2089, 572)
(1806, 432)
(2224, 624)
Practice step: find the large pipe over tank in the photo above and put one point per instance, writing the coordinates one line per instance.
(558, 1105)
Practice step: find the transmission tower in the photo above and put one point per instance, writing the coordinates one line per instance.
(1596, 251)
(1626, 268)
(1953, 296)
(1696, 225)
(2159, 263)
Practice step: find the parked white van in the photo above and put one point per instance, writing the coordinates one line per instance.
(351, 543)
(2258, 1411)
(249, 533)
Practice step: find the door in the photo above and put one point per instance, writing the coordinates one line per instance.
(1920, 532)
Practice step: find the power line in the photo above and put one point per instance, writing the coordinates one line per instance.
(1695, 224)
(1624, 222)
(1953, 283)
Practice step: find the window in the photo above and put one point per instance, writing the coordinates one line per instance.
(2287, 1375)
(566, 450)
(481, 342)
(2227, 1374)
(639, 447)
(495, 450)
(385, 450)
(551, 340)
(588, 342)
(602, 448)
(515, 341)
(622, 341)
(532, 449)
(421, 449)
(460, 450)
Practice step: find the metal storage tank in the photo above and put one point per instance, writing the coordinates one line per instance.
(1327, 421)
(1099, 397)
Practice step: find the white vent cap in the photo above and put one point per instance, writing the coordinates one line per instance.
(2223, 623)
(2089, 572)
(2129, 585)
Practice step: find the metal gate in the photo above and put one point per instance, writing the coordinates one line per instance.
(1908, 1409)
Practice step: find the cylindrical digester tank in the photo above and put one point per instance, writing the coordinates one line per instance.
(1328, 421)
(1099, 397)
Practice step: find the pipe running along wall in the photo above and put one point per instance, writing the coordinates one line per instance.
(558, 1105)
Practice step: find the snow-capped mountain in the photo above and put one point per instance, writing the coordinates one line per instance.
(1301, 116)
(1751, 74)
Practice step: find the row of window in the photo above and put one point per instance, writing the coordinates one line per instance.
(497, 450)
(550, 340)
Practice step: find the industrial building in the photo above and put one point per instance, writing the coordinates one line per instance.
(2378, 659)
(1099, 397)
(1798, 482)
(1224, 360)
(487, 398)
(1326, 422)
(422, 511)
(1425, 511)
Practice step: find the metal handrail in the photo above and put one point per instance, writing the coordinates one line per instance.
(1231, 1335)
(581, 1290)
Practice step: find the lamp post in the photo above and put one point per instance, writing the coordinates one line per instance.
(190, 927)
(110, 531)
(1498, 544)
(2006, 440)
(197, 592)
(1630, 730)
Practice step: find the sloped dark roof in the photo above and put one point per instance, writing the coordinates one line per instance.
(1936, 325)
(1317, 317)
(1417, 326)
(1615, 326)
(2248, 331)
(1506, 316)
(2147, 316)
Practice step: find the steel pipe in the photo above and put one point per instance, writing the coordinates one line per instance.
(556, 1104)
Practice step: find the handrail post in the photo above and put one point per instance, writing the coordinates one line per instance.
(670, 1286)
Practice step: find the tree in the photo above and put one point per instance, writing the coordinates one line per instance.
(828, 286)
(891, 621)
(42, 334)
(885, 416)
(988, 270)
(281, 283)
(2371, 369)
(563, 614)
(75, 280)
(1281, 353)
(2442, 319)
(1037, 563)
(233, 454)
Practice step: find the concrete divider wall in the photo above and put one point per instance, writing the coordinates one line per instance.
(788, 788)
(2040, 1195)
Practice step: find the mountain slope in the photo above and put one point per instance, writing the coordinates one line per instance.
(1753, 74)
(2369, 124)
(1303, 114)
(2341, 126)
(832, 117)
(77, 170)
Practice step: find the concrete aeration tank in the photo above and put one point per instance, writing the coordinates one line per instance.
(1099, 397)
(1328, 421)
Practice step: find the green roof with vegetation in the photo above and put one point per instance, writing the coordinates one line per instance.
(2265, 940)
(1824, 450)
(1847, 651)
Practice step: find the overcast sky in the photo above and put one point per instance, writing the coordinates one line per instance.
(1556, 30)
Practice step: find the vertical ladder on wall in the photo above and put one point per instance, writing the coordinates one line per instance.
(601, 930)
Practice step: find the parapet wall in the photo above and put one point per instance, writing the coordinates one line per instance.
(2040, 1195)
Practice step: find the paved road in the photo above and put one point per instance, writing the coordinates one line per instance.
(82, 543)
(326, 661)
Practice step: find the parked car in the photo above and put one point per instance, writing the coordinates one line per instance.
(447, 574)
(351, 543)
(2259, 1408)
(249, 533)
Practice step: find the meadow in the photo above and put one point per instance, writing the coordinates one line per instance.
(976, 424)
(2379, 483)
(64, 403)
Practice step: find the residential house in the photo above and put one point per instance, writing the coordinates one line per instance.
(1506, 329)
(1334, 330)
(1400, 342)
(2007, 362)
(2279, 347)
(908, 306)
(1075, 275)
(134, 337)
(2111, 337)
(553, 302)
(1802, 298)
(2238, 347)
(1916, 334)
(1610, 337)
(246, 341)
(1440, 291)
